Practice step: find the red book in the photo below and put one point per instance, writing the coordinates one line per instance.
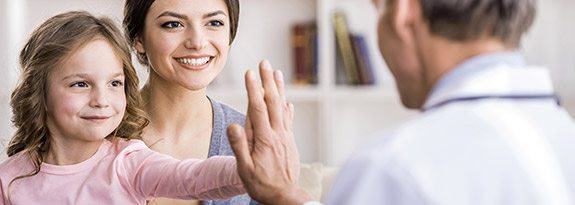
(299, 54)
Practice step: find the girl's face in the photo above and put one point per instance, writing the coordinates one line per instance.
(86, 99)
(186, 41)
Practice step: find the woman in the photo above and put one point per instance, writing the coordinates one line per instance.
(185, 44)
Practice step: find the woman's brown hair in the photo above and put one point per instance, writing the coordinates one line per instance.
(135, 12)
(46, 47)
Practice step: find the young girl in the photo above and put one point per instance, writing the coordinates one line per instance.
(185, 45)
(77, 111)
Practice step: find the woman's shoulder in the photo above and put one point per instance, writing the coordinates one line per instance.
(226, 114)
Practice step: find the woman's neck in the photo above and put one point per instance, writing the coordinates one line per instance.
(175, 111)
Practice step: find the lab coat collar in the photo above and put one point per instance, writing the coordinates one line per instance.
(490, 76)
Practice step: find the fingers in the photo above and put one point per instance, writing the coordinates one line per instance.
(279, 80)
(239, 144)
(272, 97)
(288, 107)
(257, 111)
(289, 116)
(249, 132)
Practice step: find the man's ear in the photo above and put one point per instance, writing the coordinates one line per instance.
(404, 15)
(139, 45)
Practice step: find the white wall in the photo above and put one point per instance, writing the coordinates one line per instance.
(4, 79)
(551, 43)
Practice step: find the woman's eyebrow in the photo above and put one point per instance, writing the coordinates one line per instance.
(173, 14)
(215, 13)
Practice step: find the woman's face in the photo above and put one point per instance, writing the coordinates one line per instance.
(186, 41)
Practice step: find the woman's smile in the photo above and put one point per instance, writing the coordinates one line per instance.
(194, 62)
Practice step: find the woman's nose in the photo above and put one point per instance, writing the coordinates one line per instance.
(195, 38)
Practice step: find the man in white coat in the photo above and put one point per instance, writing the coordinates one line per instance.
(491, 130)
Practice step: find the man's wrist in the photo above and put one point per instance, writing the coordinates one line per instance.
(296, 196)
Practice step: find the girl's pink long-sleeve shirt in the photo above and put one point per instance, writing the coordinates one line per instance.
(123, 172)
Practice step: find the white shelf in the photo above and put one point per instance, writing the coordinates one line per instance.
(315, 94)
(293, 93)
(366, 94)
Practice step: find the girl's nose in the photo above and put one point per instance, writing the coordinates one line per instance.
(99, 99)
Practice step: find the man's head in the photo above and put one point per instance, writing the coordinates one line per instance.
(410, 31)
(462, 20)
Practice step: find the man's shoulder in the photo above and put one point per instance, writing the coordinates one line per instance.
(382, 146)
(407, 140)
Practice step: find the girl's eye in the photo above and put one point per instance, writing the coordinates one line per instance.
(172, 24)
(216, 23)
(79, 84)
(117, 83)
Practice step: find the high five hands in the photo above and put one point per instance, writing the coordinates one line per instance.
(267, 157)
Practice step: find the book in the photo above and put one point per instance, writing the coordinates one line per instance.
(312, 53)
(299, 58)
(304, 46)
(345, 48)
(364, 66)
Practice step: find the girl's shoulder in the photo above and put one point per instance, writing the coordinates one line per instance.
(15, 165)
(126, 145)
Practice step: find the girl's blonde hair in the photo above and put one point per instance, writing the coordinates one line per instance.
(47, 46)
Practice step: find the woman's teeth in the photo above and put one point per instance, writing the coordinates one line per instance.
(194, 61)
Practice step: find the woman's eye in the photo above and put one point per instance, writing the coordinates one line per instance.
(172, 24)
(79, 84)
(215, 23)
(117, 83)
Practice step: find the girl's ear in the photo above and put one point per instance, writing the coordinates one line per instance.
(139, 45)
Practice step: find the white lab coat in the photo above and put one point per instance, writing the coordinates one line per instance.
(484, 151)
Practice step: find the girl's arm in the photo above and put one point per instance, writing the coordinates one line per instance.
(152, 174)
(2, 200)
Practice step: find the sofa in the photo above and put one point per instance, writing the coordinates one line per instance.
(316, 179)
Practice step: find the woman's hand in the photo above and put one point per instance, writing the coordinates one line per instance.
(267, 157)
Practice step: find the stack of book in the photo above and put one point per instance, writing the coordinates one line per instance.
(353, 62)
(304, 44)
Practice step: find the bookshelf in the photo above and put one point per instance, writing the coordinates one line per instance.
(331, 119)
